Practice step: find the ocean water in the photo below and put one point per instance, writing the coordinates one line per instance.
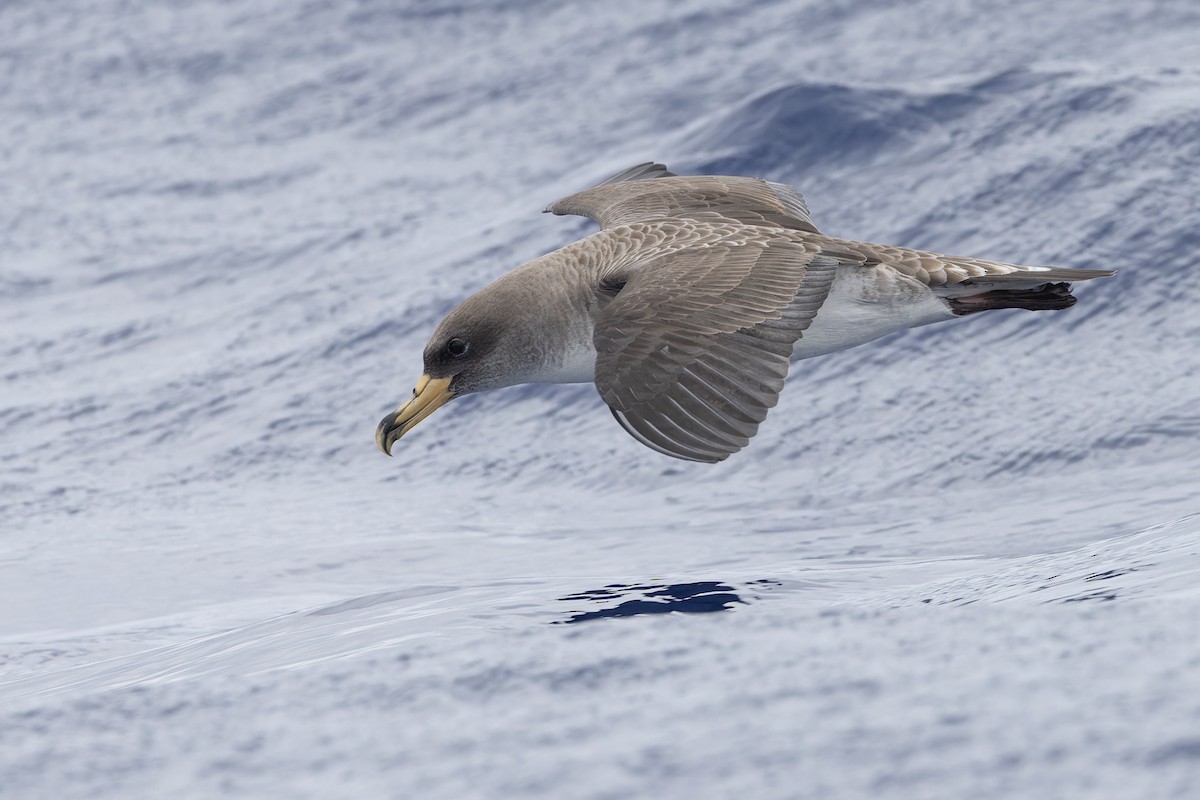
(961, 561)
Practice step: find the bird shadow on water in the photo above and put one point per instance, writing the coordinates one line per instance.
(634, 600)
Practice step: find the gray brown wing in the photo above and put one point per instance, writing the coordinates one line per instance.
(693, 351)
(650, 191)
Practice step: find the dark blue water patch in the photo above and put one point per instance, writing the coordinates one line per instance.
(1097, 596)
(1187, 749)
(1109, 574)
(808, 124)
(700, 597)
(13, 285)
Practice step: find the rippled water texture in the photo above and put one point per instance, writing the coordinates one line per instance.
(961, 562)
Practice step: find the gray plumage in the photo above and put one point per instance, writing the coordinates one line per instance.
(689, 304)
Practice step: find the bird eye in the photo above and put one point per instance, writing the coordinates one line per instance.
(457, 347)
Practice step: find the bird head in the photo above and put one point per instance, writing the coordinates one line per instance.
(483, 344)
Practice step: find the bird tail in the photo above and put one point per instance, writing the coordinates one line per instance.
(1036, 289)
(1047, 297)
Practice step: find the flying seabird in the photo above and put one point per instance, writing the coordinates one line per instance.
(689, 304)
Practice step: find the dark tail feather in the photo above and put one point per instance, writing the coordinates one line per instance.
(1047, 297)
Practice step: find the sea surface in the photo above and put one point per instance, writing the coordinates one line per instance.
(963, 561)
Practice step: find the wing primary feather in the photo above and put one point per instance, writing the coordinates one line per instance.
(732, 408)
(706, 425)
(693, 353)
(648, 433)
(691, 439)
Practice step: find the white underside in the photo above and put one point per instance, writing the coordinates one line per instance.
(865, 305)
(578, 363)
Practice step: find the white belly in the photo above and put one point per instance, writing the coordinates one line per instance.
(868, 304)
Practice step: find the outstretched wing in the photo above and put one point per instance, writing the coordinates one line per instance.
(650, 191)
(694, 349)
